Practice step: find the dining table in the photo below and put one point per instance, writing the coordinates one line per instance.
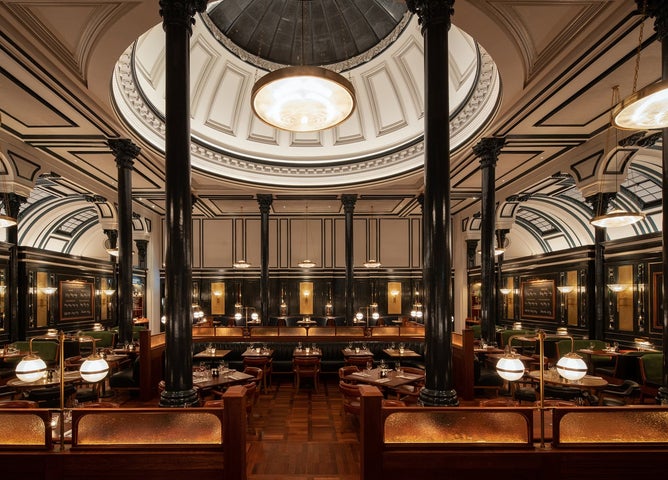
(389, 379)
(307, 352)
(608, 352)
(207, 380)
(7, 354)
(401, 353)
(212, 356)
(356, 352)
(590, 383)
(46, 381)
(257, 352)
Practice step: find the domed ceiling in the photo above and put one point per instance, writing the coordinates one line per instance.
(232, 47)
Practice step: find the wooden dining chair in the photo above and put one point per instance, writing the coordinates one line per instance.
(265, 364)
(306, 367)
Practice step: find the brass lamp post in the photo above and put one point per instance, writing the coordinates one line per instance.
(571, 366)
(32, 368)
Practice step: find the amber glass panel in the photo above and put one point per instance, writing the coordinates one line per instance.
(618, 426)
(458, 426)
(22, 430)
(152, 428)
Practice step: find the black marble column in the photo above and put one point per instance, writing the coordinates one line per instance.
(125, 152)
(600, 203)
(488, 150)
(659, 10)
(500, 298)
(264, 201)
(17, 329)
(434, 16)
(348, 202)
(177, 20)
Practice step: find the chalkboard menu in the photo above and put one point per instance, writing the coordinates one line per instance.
(76, 300)
(538, 299)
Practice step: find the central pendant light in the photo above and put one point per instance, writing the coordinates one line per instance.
(646, 109)
(303, 98)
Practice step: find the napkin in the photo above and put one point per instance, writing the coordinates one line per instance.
(382, 380)
(361, 374)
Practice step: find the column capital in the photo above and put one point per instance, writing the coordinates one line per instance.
(181, 12)
(432, 11)
(658, 9)
(600, 202)
(142, 249)
(124, 150)
(488, 149)
(264, 201)
(349, 201)
(13, 202)
(471, 248)
(112, 235)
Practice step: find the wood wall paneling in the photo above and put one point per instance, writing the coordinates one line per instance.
(395, 244)
(252, 230)
(217, 243)
(197, 243)
(416, 243)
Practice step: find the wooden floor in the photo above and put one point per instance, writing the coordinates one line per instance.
(298, 435)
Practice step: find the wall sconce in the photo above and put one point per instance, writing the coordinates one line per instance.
(565, 289)
(616, 287)
(416, 312)
(394, 298)
(374, 311)
(505, 291)
(198, 313)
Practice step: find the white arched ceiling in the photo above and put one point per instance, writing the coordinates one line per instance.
(382, 139)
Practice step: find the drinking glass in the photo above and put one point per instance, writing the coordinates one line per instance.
(369, 366)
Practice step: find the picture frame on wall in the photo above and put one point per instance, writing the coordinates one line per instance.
(538, 299)
(76, 300)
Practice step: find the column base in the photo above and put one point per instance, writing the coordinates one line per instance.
(180, 398)
(438, 398)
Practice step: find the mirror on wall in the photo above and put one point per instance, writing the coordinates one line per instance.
(621, 291)
(507, 292)
(107, 292)
(46, 299)
(3, 298)
(568, 298)
(474, 299)
(137, 298)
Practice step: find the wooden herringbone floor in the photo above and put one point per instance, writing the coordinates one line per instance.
(302, 435)
(298, 435)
